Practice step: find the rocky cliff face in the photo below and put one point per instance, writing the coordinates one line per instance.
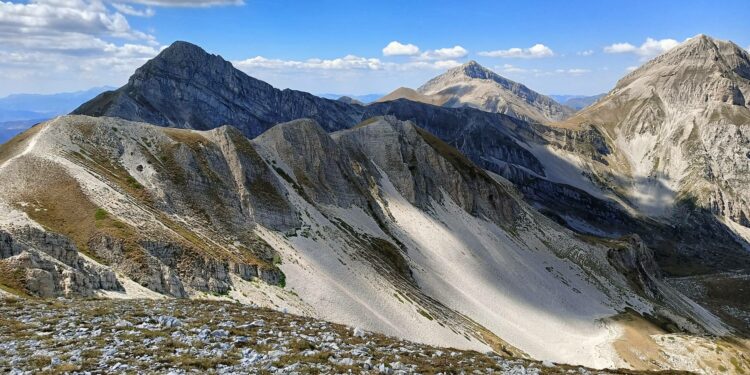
(48, 264)
(677, 125)
(676, 135)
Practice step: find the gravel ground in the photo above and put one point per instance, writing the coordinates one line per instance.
(184, 336)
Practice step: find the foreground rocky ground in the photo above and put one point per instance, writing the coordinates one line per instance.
(183, 336)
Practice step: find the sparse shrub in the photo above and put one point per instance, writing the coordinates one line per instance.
(282, 279)
(40, 361)
(100, 214)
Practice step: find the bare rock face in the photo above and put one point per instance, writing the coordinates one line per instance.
(422, 168)
(636, 261)
(51, 264)
(314, 162)
(677, 144)
(490, 140)
(186, 87)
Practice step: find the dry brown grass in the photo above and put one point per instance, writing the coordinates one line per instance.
(17, 143)
(12, 280)
(635, 346)
(64, 208)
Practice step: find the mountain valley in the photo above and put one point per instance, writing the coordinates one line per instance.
(471, 213)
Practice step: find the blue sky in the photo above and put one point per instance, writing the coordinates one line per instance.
(582, 47)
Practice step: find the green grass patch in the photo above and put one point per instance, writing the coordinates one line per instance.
(100, 214)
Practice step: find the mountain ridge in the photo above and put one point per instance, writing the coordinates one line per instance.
(216, 93)
(400, 188)
(545, 162)
(525, 239)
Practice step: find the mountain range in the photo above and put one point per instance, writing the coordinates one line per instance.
(19, 111)
(471, 212)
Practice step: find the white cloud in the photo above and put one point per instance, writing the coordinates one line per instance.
(187, 3)
(533, 52)
(55, 17)
(620, 48)
(343, 63)
(587, 52)
(395, 48)
(349, 62)
(631, 68)
(349, 74)
(68, 43)
(455, 52)
(440, 65)
(512, 69)
(130, 11)
(650, 48)
(508, 68)
(573, 71)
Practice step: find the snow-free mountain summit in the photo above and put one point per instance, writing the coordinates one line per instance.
(472, 85)
(489, 221)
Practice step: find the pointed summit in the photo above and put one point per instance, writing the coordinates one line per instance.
(703, 74)
(702, 54)
(473, 69)
(185, 60)
(182, 48)
(186, 87)
(675, 117)
(473, 85)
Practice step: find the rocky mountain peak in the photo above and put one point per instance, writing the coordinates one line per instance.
(698, 59)
(468, 71)
(184, 60)
(182, 49)
(187, 87)
(473, 69)
(472, 85)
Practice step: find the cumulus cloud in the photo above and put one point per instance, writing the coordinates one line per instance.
(50, 17)
(650, 48)
(131, 11)
(343, 63)
(512, 69)
(533, 52)
(187, 3)
(573, 71)
(349, 62)
(396, 48)
(587, 52)
(81, 42)
(455, 52)
(508, 68)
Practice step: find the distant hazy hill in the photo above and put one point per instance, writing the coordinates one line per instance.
(367, 98)
(577, 102)
(8, 129)
(19, 111)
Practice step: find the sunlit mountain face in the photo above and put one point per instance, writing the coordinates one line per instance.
(493, 212)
